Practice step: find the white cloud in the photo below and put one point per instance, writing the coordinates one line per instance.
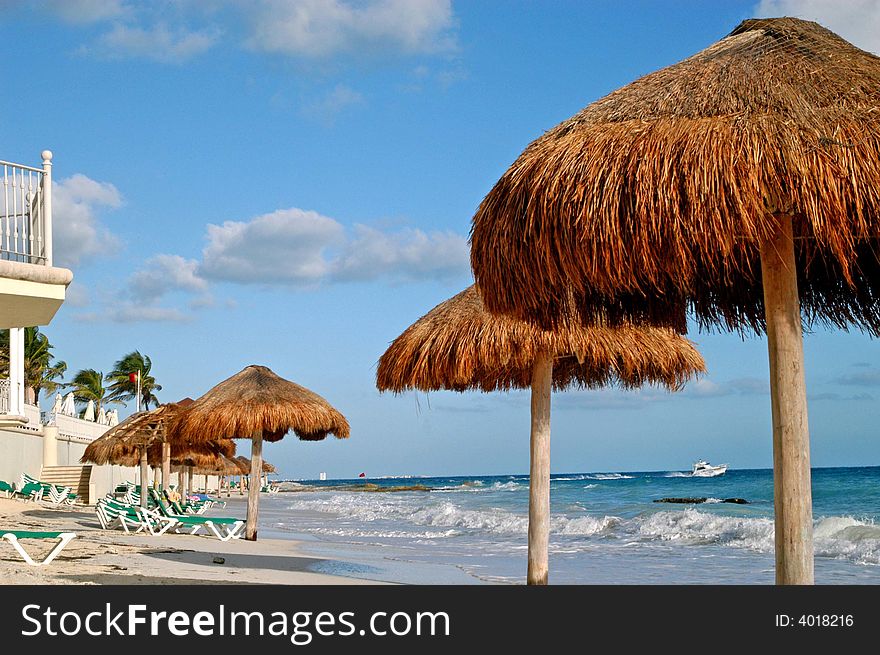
(705, 388)
(857, 21)
(163, 274)
(77, 295)
(158, 42)
(323, 28)
(77, 233)
(287, 246)
(327, 107)
(87, 11)
(135, 313)
(302, 248)
(409, 254)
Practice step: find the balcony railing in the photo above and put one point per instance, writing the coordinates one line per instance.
(26, 212)
(4, 396)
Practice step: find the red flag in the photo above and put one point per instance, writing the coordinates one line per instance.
(362, 475)
(133, 377)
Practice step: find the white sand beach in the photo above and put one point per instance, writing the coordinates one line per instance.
(99, 556)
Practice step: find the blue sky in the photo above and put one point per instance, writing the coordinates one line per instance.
(291, 183)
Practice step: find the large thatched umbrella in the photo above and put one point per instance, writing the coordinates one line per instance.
(257, 404)
(743, 182)
(458, 345)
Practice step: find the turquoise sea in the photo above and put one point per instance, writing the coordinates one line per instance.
(605, 527)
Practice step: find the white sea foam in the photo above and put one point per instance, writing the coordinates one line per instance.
(591, 486)
(696, 527)
(571, 478)
(507, 486)
(844, 537)
(840, 537)
(678, 474)
(431, 516)
(608, 476)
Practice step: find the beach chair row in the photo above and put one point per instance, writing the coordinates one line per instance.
(30, 488)
(160, 518)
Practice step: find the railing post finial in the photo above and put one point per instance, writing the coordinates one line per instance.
(47, 157)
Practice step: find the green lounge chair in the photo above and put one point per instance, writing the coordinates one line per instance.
(30, 491)
(185, 506)
(52, 493)
(6, 488)
(222, 528)
(112, 514)
(14, 537)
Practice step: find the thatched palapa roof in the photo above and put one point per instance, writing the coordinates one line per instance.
(121, 444)
(258, 399)
(244, 465)
(458, 345)
(141, 429)
(218, 465)
(660, 194)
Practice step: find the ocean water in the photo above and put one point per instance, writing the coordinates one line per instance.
(605, 527)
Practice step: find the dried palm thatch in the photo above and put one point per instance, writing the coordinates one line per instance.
(244, 465)
(140, 429)
(258, 399)
(458, 345)
(660, 194)
(217, 465)
(181, 453)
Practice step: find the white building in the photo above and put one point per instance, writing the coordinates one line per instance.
(31, 291)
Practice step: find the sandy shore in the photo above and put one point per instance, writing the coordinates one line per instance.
(99, 556)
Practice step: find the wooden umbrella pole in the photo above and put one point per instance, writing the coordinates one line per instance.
(166, 465)
(144, 477)
(788, 396)
(254, 489)
(539, 471)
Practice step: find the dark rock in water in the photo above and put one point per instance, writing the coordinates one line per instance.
(697, 501)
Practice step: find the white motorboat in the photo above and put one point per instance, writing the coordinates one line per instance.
(703, 469)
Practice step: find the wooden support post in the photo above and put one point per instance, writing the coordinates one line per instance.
(254, 489)
(792, 495)
(166, 465)
(145, 477)
(539, 471)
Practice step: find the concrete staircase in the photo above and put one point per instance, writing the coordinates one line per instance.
(75, 477)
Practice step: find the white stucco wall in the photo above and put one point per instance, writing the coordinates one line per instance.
(22, 451)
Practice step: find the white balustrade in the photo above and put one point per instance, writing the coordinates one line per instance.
(26, 212)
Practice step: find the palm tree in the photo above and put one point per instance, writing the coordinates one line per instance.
(88, 384)
(40, 373)
(123, 389)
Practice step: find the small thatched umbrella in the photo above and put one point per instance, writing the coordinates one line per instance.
(135, 434)
(743, 182)
(143, 439)
(458, 345)
(245, 466)
(257, 404)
